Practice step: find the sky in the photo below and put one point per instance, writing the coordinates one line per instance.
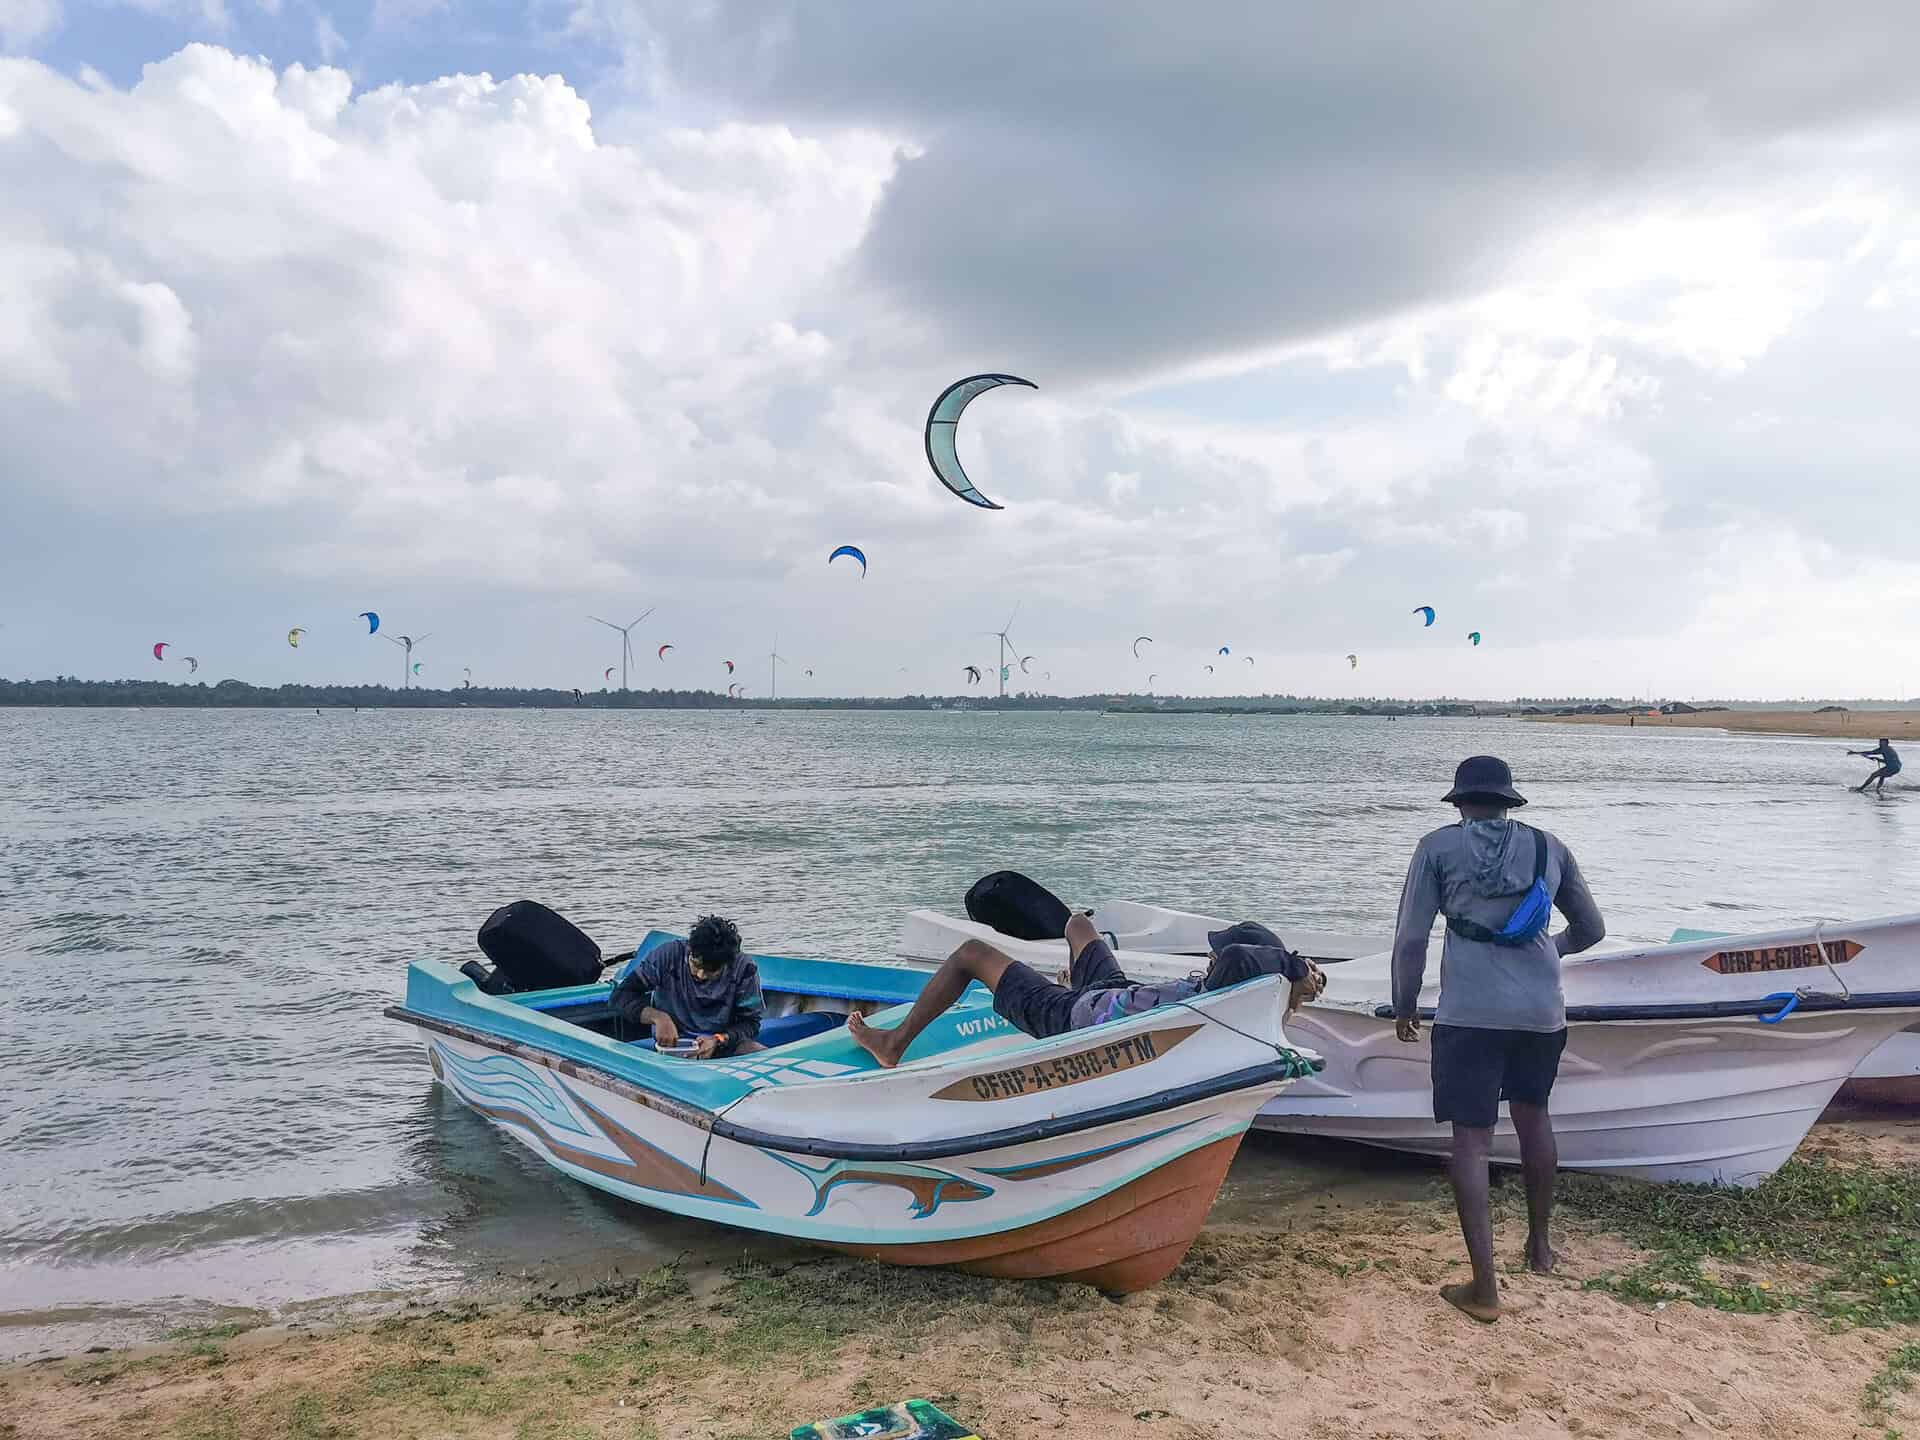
(1594, 328)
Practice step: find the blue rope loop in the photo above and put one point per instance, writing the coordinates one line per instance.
(1792, 997)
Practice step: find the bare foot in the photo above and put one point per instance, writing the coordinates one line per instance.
(1462, 1298)
(1540, 1256)
(878, 1043)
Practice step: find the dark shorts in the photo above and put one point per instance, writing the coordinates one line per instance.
(1474, 1070)
(1036, 1005)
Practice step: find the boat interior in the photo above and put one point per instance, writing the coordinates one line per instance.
(804, 998)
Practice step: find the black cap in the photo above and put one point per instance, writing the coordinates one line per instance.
(1484, 777)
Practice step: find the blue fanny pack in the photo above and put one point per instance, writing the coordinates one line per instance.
(1529, 917)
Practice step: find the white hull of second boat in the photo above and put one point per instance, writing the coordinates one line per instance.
(1674, 1097)
(1723, 1100)
(1890, 1075)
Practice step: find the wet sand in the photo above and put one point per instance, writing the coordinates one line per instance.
(1318, 1317)
(1867, 725)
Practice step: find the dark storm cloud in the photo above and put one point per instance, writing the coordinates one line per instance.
(1112, 188)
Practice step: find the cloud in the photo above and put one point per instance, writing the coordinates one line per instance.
(1322, 330)
(1111, 190)
(22, 22)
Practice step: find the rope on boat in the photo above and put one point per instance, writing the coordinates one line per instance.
(1792, 997)
(1820, 939)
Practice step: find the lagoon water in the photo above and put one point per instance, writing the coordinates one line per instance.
(202, 914)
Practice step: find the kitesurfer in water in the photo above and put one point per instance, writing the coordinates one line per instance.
(702, 987)
(1889, 759)
(1096, 989)
(1501, 1022)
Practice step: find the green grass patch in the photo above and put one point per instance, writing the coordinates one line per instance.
(226, 1330)
(453, 1387)
(1894, 1377)
(1849, 1232)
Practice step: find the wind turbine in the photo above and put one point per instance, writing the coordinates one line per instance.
(1006, 643)
(774, 660)
(626, 640)
(406, 643)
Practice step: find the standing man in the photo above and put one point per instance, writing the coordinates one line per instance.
(1889, 759)
(1501, 1022)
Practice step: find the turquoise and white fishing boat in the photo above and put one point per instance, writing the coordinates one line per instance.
(1092, 1156)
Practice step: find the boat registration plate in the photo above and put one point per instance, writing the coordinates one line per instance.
(1782, 957)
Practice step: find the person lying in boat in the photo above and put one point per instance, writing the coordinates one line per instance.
(1096, 989)
(701, 987)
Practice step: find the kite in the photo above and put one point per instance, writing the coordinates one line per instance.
(973, 674)
(1353, 662)
(193, 665)
(293, 636)
(416, 666)
(809, 674)
(373, 620)
(1150, 680)
(608, 675)
(1248, 659)
(1023, 664)
(468, 670)
(853, 552)
(158, 648)
(1138, 640)
(1209, 669)
(1223, 651)
(1047, 676)
(1474, 636)
(943, 422)
(576, 694)
(735, 685)
(1426, 610)
(729, 665)
(661, 653)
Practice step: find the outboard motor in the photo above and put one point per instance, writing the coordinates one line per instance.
(1018, 907)
(534, 948)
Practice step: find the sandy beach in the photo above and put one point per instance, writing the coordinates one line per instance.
(1869, 725)
(1326, 1326)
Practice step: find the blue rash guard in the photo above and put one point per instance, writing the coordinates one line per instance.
(728, 1003)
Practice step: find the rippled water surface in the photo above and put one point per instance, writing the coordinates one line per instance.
(203, 912)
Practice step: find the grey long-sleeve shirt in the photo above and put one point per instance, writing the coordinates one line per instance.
(1475, 870)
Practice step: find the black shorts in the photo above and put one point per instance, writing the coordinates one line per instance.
(1033, 1003)
(1474, 1070)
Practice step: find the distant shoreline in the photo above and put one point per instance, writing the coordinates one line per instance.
(1843, 724)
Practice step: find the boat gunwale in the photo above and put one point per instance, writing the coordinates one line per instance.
(1824, 1004)
(1288, 1066)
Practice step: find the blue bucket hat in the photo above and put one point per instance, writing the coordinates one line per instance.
(1484, 777)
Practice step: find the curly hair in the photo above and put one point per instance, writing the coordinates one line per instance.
(714, 941)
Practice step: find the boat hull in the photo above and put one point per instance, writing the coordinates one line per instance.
(1888, 1076)
(1130, 1239)
(1717, 1101)
(1092, 1156)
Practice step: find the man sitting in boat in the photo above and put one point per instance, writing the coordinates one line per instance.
(1097, 990)
(1501, 1023)
(701, 987)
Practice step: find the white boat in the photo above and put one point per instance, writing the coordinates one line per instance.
(1090, 1157)
(1684, 1061)
(1890, 1075)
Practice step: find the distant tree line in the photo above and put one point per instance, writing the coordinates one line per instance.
(66, 690)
